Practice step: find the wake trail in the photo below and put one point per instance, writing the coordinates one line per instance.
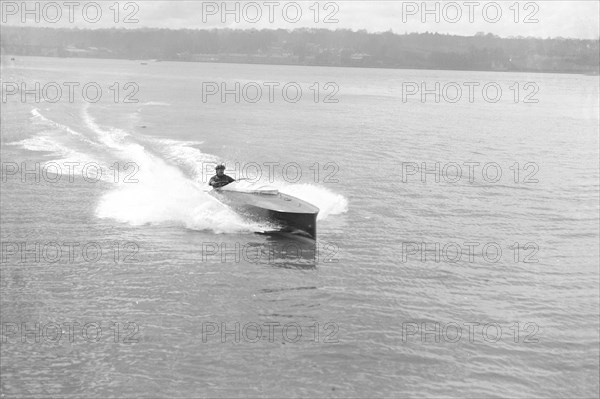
(159, 192)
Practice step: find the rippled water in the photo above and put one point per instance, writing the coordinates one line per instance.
(527, 316)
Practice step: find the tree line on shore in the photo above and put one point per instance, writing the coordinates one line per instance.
(484, 52)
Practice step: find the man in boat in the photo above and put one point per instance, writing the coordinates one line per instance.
(220, 179)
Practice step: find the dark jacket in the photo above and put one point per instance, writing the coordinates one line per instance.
(221, 181)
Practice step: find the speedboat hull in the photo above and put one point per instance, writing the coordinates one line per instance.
(288, 213)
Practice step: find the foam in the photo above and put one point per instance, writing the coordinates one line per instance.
(169, 189)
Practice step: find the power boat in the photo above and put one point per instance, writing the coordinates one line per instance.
(267, 204)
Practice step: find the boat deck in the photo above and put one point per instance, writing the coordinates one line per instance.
(278, 202)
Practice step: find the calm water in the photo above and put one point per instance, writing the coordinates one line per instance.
(360, 294)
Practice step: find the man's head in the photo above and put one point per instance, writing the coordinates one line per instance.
(220, 170)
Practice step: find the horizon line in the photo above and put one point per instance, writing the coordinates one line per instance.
(478, 34)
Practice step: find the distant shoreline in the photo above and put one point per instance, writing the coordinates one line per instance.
(312, 47)
(142, 61)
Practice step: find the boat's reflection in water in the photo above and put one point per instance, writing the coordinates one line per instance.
(286, 250)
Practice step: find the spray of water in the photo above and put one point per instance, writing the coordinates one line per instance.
(166, 188)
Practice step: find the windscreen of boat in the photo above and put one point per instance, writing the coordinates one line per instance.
(245, 186)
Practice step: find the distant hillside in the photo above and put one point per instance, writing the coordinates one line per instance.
(312, 47)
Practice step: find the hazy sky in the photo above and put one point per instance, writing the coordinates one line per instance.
(576, 19)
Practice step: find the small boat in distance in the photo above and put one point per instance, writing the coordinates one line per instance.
(267, 204)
